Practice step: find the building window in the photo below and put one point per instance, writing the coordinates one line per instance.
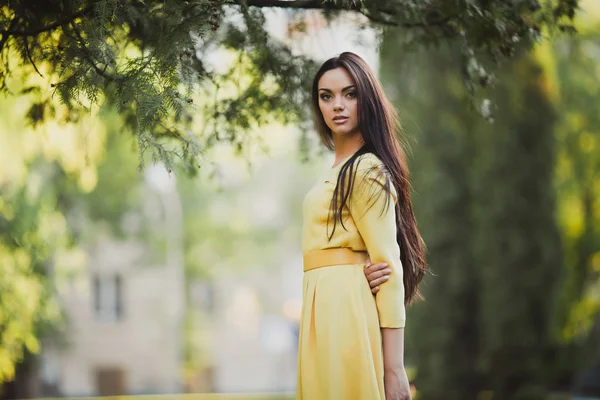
(108, 297)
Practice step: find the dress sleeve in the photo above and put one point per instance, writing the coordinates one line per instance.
(374, 214)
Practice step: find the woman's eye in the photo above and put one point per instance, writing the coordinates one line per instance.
(325, 96)
(352, 95)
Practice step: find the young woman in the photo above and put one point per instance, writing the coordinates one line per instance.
(352, 343)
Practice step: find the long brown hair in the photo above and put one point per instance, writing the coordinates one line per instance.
(380, 129)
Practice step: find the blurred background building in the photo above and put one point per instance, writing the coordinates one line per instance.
(124, 328)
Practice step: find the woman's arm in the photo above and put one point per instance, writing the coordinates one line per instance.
(395, 380)
(373, 212)
(393, 348)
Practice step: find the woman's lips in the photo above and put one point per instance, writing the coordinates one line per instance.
(340, 120)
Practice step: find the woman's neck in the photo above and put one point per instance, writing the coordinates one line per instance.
(346, 146)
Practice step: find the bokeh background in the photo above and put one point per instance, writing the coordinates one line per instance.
(119, 280)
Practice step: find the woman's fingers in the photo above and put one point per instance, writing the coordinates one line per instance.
(370, 268)
(376, 282)
(376, 274)
(377, 271)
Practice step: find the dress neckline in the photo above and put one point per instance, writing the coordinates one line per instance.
(342, 161)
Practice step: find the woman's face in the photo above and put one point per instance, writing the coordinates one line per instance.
(338, 102)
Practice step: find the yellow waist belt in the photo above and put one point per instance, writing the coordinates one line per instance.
(338, 256)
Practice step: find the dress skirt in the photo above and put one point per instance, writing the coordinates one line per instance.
(340, 353)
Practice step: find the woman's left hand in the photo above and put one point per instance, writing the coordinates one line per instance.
(396, 384)
(376, 274)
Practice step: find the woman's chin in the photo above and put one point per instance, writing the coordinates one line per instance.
(343, 132)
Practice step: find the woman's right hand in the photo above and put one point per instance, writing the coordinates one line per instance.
(396, 385)
(376, 274)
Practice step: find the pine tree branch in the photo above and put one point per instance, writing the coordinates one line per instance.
(88, 57)
(379, 19)
(5, 35)
(320, 4)
(306, 4)
(41, 29)
(26, 39)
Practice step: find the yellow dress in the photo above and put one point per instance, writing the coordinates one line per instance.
(339, 354)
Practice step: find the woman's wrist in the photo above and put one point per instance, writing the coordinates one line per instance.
(393, 349)
(398, 367)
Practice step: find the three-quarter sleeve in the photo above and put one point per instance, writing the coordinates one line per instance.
(373, 211)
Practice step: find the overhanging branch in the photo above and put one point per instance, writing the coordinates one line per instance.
(40, 29)
(5, 35)
(90, 60)
(306, 4)
(378, 16)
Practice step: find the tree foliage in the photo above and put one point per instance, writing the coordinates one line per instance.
(486, 205)
(508, 211)
(38, 185)
(32, 232)
(578, 174)
(150, 58)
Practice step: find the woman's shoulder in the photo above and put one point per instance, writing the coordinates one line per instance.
(372, 175)
(368, 161)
